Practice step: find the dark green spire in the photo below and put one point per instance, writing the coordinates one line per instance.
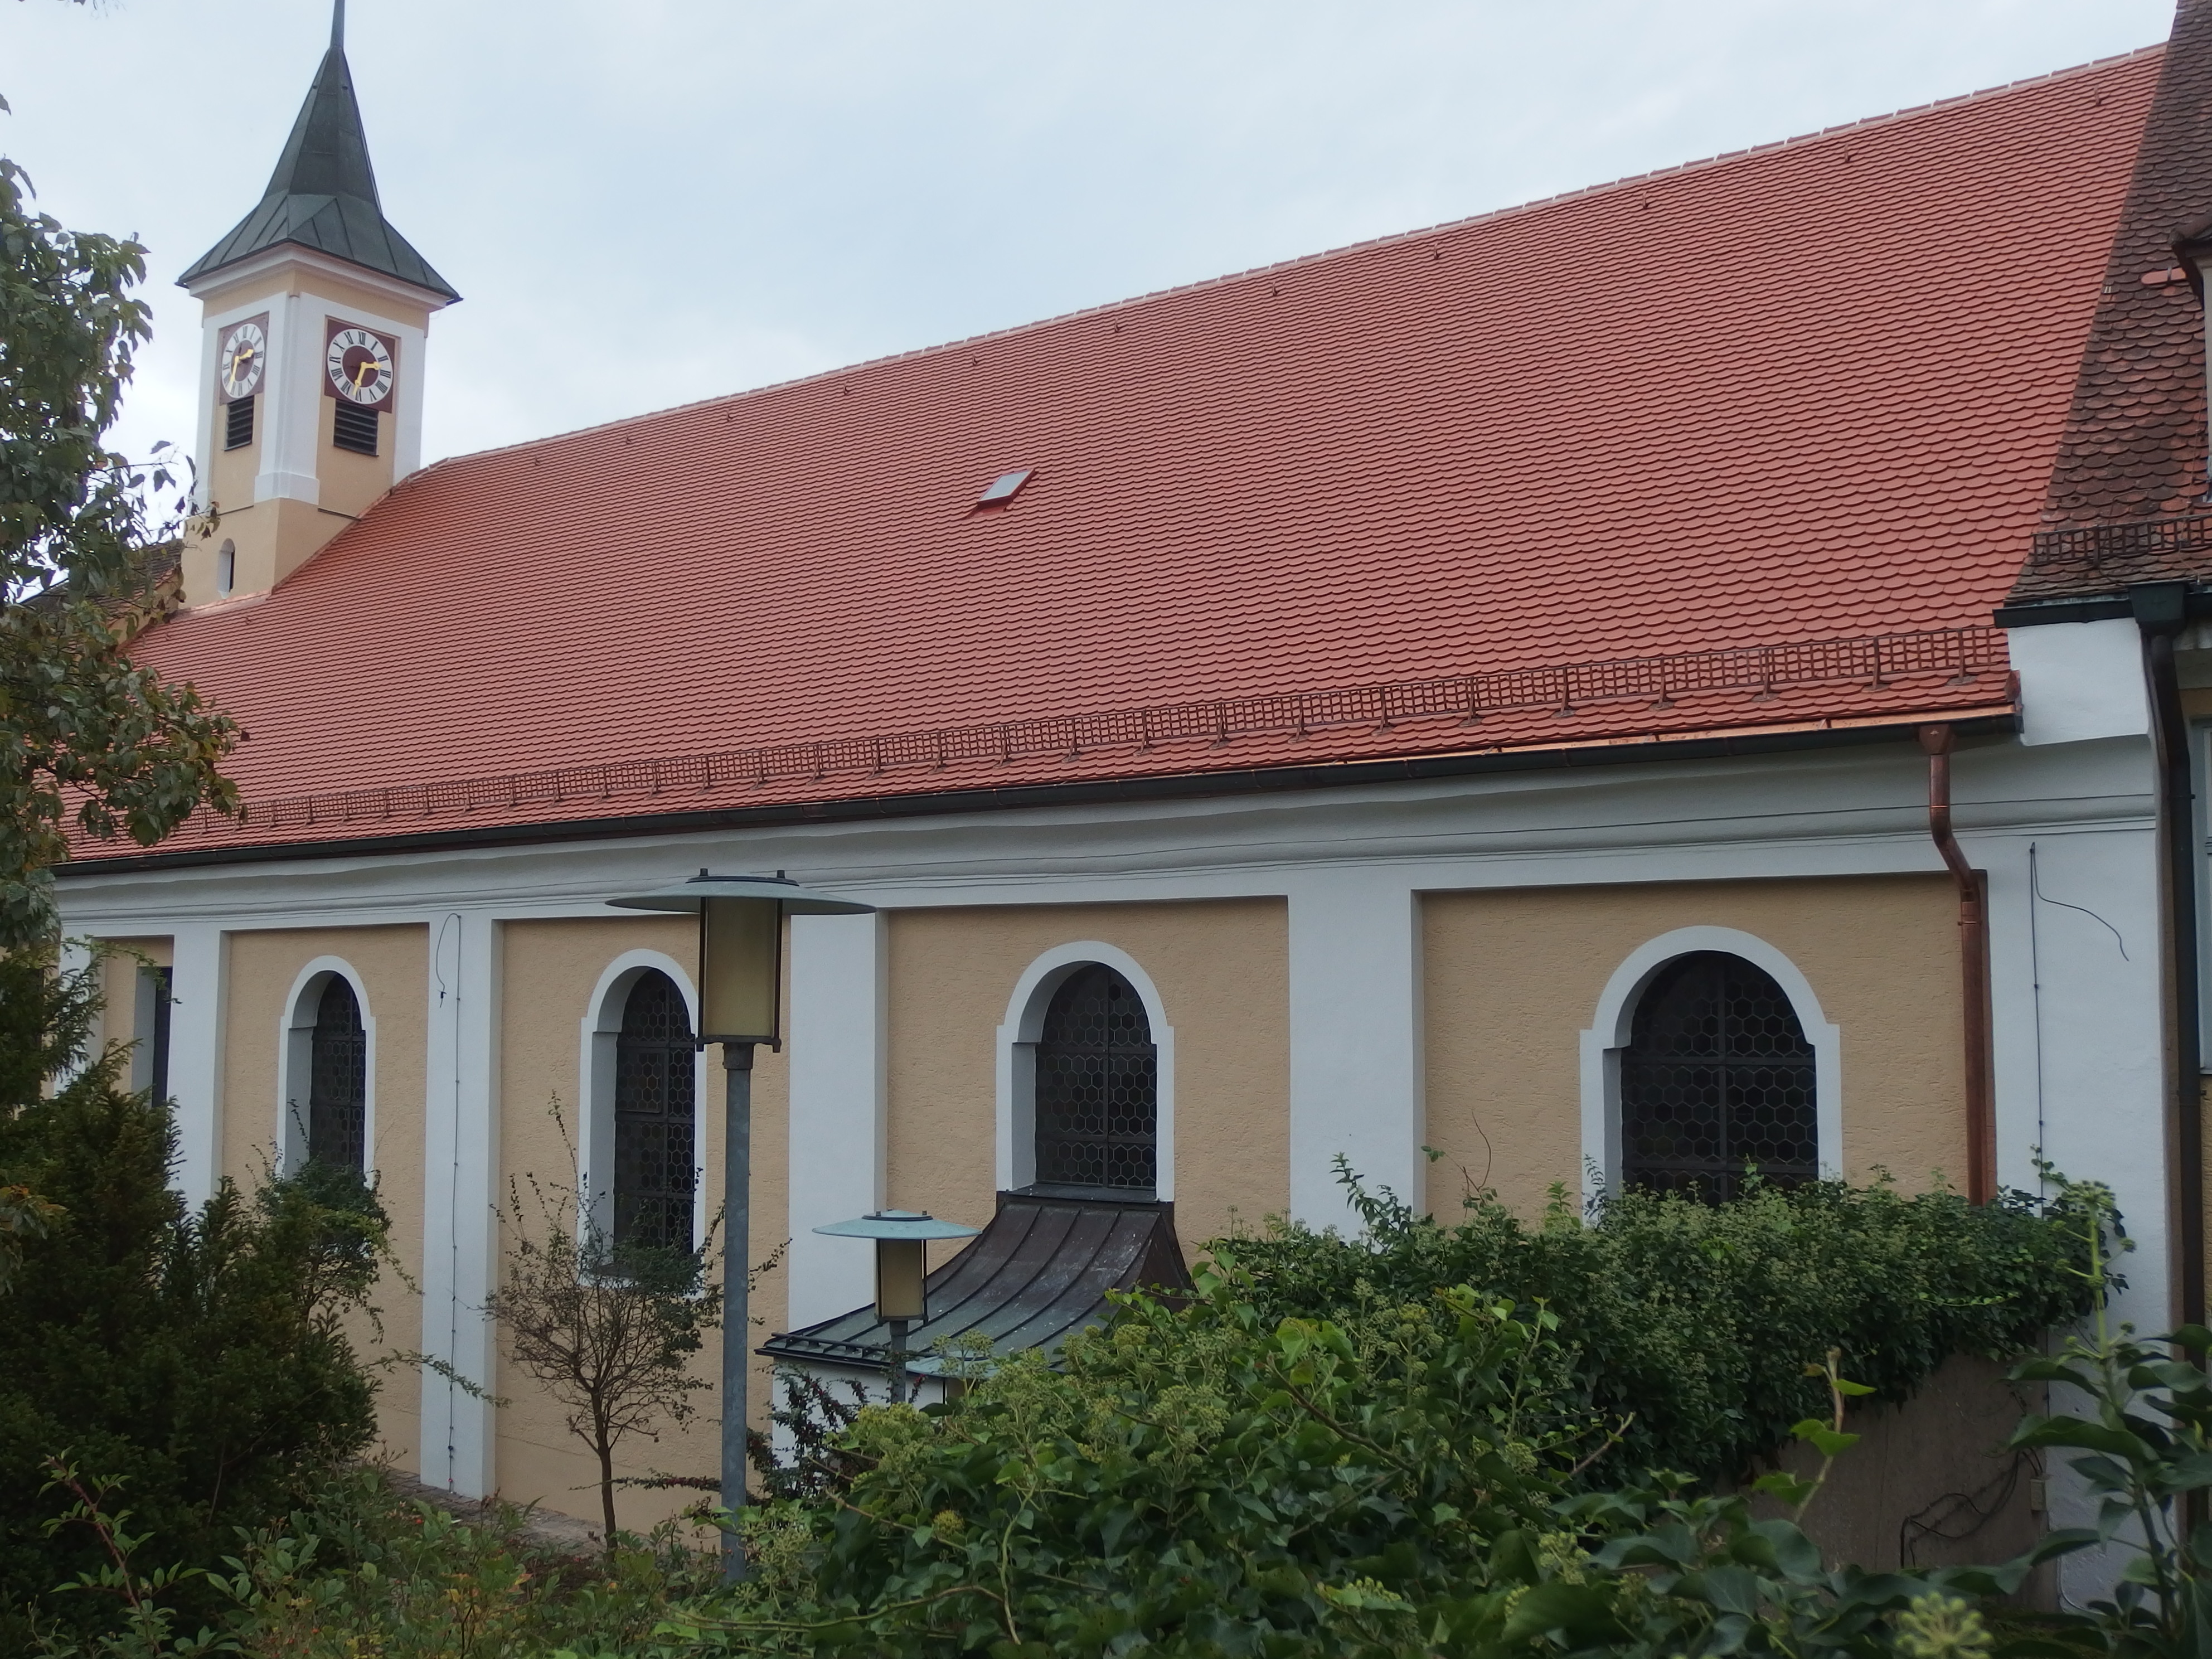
(323, 194)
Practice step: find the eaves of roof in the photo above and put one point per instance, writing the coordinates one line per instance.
(360, 839)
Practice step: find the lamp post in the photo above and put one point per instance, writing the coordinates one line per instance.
(740, 1006)
(901, 1270)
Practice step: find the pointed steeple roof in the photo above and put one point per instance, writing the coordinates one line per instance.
(323, 194)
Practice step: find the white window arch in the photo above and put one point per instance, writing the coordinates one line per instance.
(295, 1061)
(1614, 1028)
(1017, 1058)
(595, 1114)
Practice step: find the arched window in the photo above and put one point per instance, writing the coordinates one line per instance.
(1718, 1075)
(337, 1079)
(656, 1169)
(1098, 1086)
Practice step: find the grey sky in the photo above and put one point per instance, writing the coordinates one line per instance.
(653, 201)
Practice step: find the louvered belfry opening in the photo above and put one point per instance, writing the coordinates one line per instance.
(1719, 1075)
(656, 1169)
(238, 424)
(352, 428)
(1097, 1087)
(337, 1080)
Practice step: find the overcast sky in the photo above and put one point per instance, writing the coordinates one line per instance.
(646, 201)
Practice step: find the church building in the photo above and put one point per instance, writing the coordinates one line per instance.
(1701, 671)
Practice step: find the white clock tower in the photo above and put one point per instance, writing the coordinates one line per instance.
(315, 312)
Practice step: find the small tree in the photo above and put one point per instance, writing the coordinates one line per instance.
(198, 1359)
(609, 1326)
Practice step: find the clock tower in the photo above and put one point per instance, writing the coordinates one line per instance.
(314, 312)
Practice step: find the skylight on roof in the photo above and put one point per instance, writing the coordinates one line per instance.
(1003, 487)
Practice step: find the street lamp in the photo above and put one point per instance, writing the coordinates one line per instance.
(901, 1267)
(740, 1005)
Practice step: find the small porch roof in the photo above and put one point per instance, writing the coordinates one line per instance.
(1032, 1278)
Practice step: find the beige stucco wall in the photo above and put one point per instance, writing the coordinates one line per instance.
(1513, 978)
(118, 984)
(1221, 970)
(393, 965)
(549, 970)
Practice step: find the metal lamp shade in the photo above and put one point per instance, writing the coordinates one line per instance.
(901, 1239)
(741, 945)
(899, 1270)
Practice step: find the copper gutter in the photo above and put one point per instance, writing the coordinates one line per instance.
(1974, 969)
(2161, 611)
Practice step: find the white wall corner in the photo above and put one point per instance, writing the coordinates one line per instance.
(840, 1015)
(2079, 681)
(1357, 1076)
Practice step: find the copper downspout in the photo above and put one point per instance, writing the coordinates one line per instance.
(1974, 968)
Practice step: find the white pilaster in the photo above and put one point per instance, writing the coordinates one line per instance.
(1356, 1063)
(198, 985)
(291, 396)
(839, 1012)
(460, 1133)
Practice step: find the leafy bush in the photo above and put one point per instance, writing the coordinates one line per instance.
(1203, 1477)
(1207, 1482)
(1699, 1318)
(198, 1360)
(358, 1570)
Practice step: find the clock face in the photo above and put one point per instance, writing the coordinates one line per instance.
(244, 354)
(359, 366)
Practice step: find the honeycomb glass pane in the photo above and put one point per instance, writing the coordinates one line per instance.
(1716, 1082)
(1097, 1073)
(655, 1172)
(337, 1079)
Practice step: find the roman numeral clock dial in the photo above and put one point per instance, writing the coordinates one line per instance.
(244, 352)
(359, 366)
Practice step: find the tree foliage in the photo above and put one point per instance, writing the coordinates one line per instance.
(199, 1359)
(87, 737)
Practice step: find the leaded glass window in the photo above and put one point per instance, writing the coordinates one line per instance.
(1098, 1086)
(656, 1160)
(337, 1079)
(1717, 1078)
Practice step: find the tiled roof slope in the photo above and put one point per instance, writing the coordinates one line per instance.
(1809, 393)
(2134, 447)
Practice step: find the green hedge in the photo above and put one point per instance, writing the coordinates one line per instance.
(1698, 1319)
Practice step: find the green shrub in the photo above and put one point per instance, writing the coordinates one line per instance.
(1697, 1321)
(1201, 1478)
(197, 1360)
(358, 1571)
(1206, 1483)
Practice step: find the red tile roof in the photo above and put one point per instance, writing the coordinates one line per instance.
(1806, 394)
(2134, 449)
